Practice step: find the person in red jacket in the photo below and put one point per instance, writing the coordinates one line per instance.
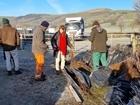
(59, 43)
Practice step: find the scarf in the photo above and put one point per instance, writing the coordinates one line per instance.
(63, 46)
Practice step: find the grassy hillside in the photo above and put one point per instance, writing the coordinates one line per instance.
(103, 15)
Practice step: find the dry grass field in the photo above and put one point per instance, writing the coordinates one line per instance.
(103, 15)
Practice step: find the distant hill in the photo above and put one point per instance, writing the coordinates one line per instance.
(103, 15)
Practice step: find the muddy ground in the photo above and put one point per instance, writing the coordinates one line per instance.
(23, 90)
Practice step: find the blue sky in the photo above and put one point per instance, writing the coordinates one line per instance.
(24, 7)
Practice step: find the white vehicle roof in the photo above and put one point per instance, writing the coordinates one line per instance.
(19, 28)
(73, 19)
(29, 29)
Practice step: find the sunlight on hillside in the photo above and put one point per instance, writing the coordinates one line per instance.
(104, 16)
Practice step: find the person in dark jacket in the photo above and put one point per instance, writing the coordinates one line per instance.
(10, 40)
(59, 43)
(98, 39)
(39, 48)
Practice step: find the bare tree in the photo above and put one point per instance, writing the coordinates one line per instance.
(113, 21)
(121, 23)
(133, 24)
(136, 5)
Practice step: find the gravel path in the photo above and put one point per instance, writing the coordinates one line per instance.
(23, 90)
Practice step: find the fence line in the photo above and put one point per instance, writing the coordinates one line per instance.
(26, 39)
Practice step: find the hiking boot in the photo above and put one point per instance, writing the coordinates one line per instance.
(17, 72)
(40, 79)
(43, 75)
(10, 73)
(58, 72)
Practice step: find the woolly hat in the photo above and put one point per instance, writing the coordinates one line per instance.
(5, 21)
(45, 24)
(96, 23)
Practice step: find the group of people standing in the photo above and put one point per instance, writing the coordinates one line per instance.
(10, 40)
(59, 43)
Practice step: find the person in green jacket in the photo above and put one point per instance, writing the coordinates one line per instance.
(98, 38)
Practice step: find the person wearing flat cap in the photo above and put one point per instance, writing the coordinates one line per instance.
(10, 40)
(39, 48)
(98, 38)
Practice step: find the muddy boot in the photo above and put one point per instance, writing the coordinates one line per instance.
(40, 79)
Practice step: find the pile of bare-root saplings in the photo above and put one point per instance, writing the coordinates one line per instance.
(122, 76)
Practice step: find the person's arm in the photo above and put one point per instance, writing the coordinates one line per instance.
(54, 45)
(2, 46)
(40, 39)
(106, 36)
(17, 38)
(92, 35)
(54, 41)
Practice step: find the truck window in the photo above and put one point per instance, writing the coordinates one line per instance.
(73, 26)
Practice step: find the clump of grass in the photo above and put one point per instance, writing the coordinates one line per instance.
(96, 97)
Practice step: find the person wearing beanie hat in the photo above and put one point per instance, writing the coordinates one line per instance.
(45, 24)
(39, 48)
(10, 40)
(98, 38)
(5, 21)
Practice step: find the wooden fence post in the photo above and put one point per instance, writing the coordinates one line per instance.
(21, 41)
(73, 41)
(134, 44)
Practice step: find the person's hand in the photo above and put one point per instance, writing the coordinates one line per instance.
(55, 48)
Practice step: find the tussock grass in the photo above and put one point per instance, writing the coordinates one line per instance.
(96, 97)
